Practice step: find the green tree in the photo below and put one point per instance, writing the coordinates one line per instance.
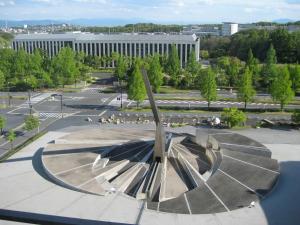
(121, 67)
(233, 117)
(246, 91)
(296, 117)
(173, 65)
(281, 88)
(295, 76)
(192, 68)
(136, 90)
(11, 137)
(233, 70)
(155, 73)
(2, 80)
(269, 70)
(2, 124)
(31, 123)
(204, 54)
(208, 86)
(64, 67)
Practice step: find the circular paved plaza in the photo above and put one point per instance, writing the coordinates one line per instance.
(89, 175)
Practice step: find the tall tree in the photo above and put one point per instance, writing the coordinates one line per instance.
(136, 90)
(173, 66)
(233, 70)
(2, 80)
(2, 124)
(155, 73)
(281, 88)
(253, 65)
(64, 67)
(246, 91)
(121, 68)
(208, 86)
(269, 70)
(192, 68)
(295, 76)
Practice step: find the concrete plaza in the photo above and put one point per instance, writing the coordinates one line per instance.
(26, 190)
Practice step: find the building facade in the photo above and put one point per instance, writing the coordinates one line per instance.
(229, 28)
(131, 45)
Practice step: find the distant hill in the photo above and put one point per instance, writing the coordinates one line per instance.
(20, 23)
(283, 20)
(81, 22)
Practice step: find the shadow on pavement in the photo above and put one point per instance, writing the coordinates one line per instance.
(36, 218)
(282, 205)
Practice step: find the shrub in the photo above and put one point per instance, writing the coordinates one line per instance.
(233, 117)
(296, 117)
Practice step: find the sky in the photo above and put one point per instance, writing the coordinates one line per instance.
(157, 11)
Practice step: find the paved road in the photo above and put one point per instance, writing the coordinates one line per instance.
(199, 104)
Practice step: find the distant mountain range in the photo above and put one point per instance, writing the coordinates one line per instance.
(283, 20)
(81, 22)
(90, 22)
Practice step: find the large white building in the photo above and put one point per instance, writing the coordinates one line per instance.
(132, 45)
(229, 28)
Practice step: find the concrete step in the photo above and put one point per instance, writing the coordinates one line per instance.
(154, 187)
(198, 161)
(257, 178)
(193, 174)
(112, 170)
(134, 186)
(144, 187)
(122, 181)
(261, 161)
(172, 181)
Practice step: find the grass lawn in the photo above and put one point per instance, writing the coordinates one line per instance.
(172, 90)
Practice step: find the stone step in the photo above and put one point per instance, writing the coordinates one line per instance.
(143, 189)
(134, 186)
(172, 181)
(199, 162)
(122, 181)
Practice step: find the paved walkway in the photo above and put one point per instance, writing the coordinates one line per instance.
(25, 188)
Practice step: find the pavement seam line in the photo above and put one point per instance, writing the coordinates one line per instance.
(240, 182)
(187, 203)
(217, 197)
(252, 147)
(72, 169)
(251, 164)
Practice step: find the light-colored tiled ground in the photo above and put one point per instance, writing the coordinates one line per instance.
(22, 188)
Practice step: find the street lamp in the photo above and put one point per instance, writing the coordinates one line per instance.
(61, 104)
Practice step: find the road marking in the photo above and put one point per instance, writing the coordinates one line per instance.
(102, 113)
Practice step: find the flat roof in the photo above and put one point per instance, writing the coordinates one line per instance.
(107, 37)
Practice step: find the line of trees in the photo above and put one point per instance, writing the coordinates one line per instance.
(22, 71)
(281, 81)
(287, 45)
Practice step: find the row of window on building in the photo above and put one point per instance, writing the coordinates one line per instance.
(106, 49)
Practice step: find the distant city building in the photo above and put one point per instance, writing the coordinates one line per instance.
(202, 30)
(132, 45)
(229, 28)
